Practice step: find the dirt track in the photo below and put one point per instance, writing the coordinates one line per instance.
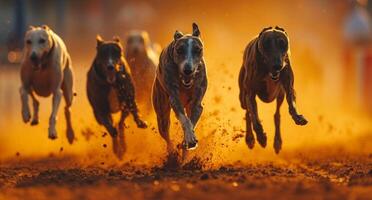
(344, 176)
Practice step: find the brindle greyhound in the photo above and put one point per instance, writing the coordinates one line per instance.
(267, 73)
(180, 83)
(110, 89)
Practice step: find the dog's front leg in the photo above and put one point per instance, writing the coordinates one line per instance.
(195, 109)
(288, 82)
(190, 141)
(26, 116)
(257, 126)
(35, 104)
(57, 95)
(140, 123)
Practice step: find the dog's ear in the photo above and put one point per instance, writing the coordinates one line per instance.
(281, 29)
(31, 27)
(195, 30)
(265, 29)
(99, 40)
(177, 35)
(117, 39)
(45, 27)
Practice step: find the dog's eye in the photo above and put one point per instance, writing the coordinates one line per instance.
(197, 50)
(181, 50)
(42, 41)
(28, 41)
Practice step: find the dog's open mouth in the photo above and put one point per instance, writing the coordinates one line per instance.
(274, 76)
(187, 81)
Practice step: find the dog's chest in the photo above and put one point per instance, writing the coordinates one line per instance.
(268, 90)
(42, 83)
(113, 100)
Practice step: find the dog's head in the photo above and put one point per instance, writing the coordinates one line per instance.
(273, 45)
(38, 44)
(109, 58)
(188, 54)
(137, 43)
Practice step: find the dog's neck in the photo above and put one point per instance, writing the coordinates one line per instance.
(99, 77)
(46, 56)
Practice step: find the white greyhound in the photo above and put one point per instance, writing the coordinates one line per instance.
(46, 69)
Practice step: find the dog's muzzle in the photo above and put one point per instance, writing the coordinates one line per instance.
(275, 75)
(187, 81)
(35, 61)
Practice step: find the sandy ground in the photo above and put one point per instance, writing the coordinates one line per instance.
(300, 176)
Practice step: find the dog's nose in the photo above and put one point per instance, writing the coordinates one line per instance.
(33, 56)
(110, 67)
(187, 70)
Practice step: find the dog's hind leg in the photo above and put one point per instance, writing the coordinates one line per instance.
(26, 116)
(257, 126)
(105, 119)
(162, 109)
(35, 105)
(57, 95)
(278, 137)
(68, 94)
(121, 124)
(118, 143)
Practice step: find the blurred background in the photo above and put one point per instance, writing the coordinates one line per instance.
(331, 52)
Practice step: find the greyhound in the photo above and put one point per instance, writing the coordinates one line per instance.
(46, 70)
(142, 59)
(267, 73)
(180, 84)
(110, 90)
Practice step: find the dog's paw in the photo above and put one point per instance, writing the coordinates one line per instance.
(190, 142)
(262, 139)
(141, 124)
(26, 116)
(261, 135)
(190, 145)
(70, 136)
(249, 140)
(52, 133)
(299, 120)
(34, 122)
(277, 145)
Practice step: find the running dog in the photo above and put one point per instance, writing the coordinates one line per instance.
(267, 73)
(110, 90)
(180, 84)
(142, 60)
(46, 70)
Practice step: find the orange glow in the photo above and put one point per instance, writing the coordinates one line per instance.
(314, 29)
